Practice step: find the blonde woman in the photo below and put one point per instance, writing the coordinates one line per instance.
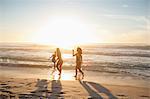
(59, 60)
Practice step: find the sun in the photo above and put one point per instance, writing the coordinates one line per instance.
(64, 31)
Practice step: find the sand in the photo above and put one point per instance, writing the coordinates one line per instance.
(15, 88)
(48, 86)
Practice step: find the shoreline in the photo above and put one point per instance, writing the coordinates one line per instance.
(67, 74)
(101, 69)
(78, 89)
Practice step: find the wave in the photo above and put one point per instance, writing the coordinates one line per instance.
(22, 58)
(137, 70)
(119, 46)
(120, 54)
(107, 50)
(101, 58)
(23, 65)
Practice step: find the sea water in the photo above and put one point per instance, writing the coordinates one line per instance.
(131, 59)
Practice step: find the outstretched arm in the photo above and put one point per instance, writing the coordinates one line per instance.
(50, 56)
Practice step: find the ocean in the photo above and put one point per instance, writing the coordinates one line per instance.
(131, 59)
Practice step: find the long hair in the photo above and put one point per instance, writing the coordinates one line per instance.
(79, 50)
(58, 53)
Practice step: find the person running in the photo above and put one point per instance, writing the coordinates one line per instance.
(59, 60)
(53, 59)
(78, 62)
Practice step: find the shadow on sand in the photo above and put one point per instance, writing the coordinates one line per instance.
(96, 90)
(56, 90)
(42, 91)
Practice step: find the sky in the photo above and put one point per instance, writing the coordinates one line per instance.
(75, 21)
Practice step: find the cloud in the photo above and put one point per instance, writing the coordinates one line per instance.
(141, 21)
(125, 6)
(128, 17)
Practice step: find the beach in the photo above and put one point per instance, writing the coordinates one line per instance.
(111, 72)
(74, 49)
(40, 83)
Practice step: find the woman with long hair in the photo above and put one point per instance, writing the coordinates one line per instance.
(78, 62)
(59, 60)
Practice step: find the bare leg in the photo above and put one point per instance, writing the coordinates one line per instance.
(60, 69)
(54, 69)
(76, 72)
(81, 72)
(57, 66)
(54, 66)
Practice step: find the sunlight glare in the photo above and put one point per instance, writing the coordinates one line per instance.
(64, 32)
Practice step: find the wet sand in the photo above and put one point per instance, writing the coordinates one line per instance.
(41, 83)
